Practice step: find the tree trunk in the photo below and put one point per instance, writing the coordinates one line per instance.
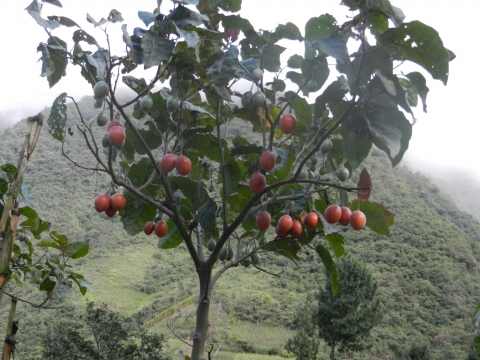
(9, 343)
(203, 308)
(332, 351)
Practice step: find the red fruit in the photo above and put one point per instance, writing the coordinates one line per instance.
(333, 213)
(358, 220)
(281, 233)
(118, 202)
(116, 135)
(110, 212)
(267, 160)
(257, 182)
(160, 228)
(167, 163)
(285, 223)
(311, 220)
(296, 229)
(288, 123)
(302, 219)
(148, 227)
(345, 218)
(113, 123)
(263, 220)
(102, 202)
(183, 165)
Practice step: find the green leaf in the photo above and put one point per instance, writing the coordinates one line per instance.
(49, 243)
(378, 217)
(236, 22)
(210, 6)
(137, 85)
(172, 238)
(48, 66)
(136, 214)
(9, 169)
(377, 23)
(3, 188)
(189, 106)
(57, 119)
(295, 61)
(54, 2)
(224, 69)
(91, 20)
(271, 57)
(191, 37)
(334, 92)
(288, 247)
(206, 215)
(57, 61)
(420, 44)
(83, 283)
(411, 91)
(63, 21)
(183, 16)
(329, 266)
(34, 10)
(321, 27)
(336, 243)
(61, 290)
(189, 189)
(243, 146)
(151, 48)
(418, 80)
(76, 250)
(115, 16)
(334, 46)
(59, 238)
(356, 137)
(391, 131)
(234, 175)
(245, 68)
(393, 13)
(288, 31)
(81, 35)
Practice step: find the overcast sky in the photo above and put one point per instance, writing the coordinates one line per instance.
(447, 135)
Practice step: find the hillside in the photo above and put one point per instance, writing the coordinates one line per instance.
(427, 268)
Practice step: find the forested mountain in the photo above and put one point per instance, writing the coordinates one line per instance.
(427, 268)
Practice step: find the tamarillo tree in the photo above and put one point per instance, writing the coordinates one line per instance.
(167, 147)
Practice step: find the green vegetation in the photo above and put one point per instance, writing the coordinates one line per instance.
(218, 186)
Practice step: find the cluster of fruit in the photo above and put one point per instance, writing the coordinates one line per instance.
(342, 214)
(257, 181)
(115, 135)
(286, 224)
(100, 92)
(110, 204)
(169, 162)
(160, 228)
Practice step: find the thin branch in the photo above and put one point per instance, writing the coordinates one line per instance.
(36, 306)
(170, 327)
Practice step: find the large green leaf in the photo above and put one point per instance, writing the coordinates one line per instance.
(137, 85)
(321, 27)
(183, 16)
(393, 13)
(189, 189)
(61, 290)
(356, 137)
(206, 215)
(390, 130)
(329, 266)
(336, 243)
(136, 214)
(57, 119)
(57, 49)
(418, 80)
(209, 6)
(288, 31)
(63, 21)
(83, 283)
(151, 48)
(421, 44)
(225, 68)
(234, 175)
(172, 239)
(245, 68)
(76, 250)
(288, 247)
(334, 46)
(34, 10)
(334, 92)
(243, 146)
(271, 57)
(378, 217)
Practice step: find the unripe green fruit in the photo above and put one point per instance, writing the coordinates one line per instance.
(343, 173)
(258, 99)
(245, 263)
(102, 118)
(255, 258)
(100, 90)
(98, 103)
(314, 160)
(303, 175)
(257, 74)
(322, 170)
(262, 241)
(247, 99)
(105, 142)
(326, 146)
(230, 253)
(146, 103)
(211, 244)
(223, 254)
(173, 103)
